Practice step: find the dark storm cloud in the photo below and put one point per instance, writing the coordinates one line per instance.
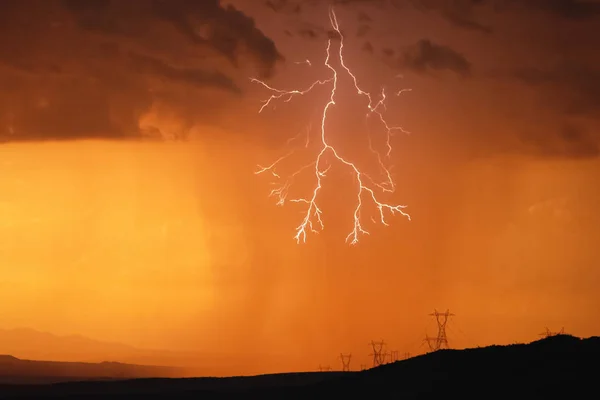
(460, 13)
(568, 141)
(71, 69)
(575, 89)
(188, 76)
(296, 6)
(579, 142)
(567, 9)
(428, 57)
(346, 2)
(463, 13)
(570, 90)
(311, 31)
(201, 23)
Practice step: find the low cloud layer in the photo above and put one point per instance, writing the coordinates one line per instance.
(464, 14)
(570, 141)
(75, 69)
(575, 89)
(428, 57)
(155, 68)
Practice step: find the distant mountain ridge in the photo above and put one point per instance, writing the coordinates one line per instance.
(30, 344)
(15, 370)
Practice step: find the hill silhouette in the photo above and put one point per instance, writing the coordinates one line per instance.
(559, 365)
(15, 370)
(30, 344)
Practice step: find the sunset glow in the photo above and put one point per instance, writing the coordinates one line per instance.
(132, 221)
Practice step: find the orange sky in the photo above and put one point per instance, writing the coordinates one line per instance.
(175, 244)
(135, 243)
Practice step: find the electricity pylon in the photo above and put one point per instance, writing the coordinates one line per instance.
(378, 356)
(442, 340)
(549, 333)
(345, 361)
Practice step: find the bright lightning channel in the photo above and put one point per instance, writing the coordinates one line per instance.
(366, 185)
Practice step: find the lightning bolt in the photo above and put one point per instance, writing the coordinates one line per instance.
(366, 186)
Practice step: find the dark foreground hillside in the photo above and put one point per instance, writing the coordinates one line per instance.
(562, 366)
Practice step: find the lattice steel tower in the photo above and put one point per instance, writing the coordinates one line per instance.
(345, 361)
(442, 339)
(378, 355)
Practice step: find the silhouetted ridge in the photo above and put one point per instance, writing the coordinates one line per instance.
(563, 338)
(555, 362)
(547, 367)
(15, 370)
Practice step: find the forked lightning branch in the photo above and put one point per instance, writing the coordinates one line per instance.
(367, 187)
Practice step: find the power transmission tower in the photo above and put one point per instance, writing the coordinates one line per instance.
(394, 355)
(406, 355)
(324, 368)
(345, 361)
(442, 319)
(378, 356)
(549, 333)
